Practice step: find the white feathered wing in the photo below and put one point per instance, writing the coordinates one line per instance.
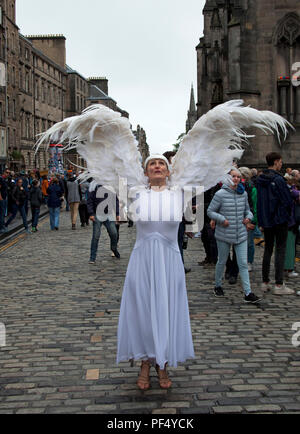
(105, 140)
(206, 153)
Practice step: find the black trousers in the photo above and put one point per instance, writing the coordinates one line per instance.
(209, 243)
(83, 214)
(278, 235)
(232, 268)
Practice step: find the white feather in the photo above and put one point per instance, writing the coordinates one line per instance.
(105, 140)
(207, 151)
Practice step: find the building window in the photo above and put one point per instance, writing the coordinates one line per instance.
(20, 78)
(14, 109)
(27, 127)
(8, 106)
(27, 82)
(37, 89)
(1, 112)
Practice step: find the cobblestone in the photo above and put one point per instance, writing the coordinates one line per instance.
(61, 317)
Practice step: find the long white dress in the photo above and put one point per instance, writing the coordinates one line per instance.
(154, 318)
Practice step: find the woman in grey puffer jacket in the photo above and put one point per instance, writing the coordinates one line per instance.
(231, 212)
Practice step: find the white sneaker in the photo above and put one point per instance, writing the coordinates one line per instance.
(282, 290)
(266, 286)
(298, 292)
(250, 267)
(293, 274)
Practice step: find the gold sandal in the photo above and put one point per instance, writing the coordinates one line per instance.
(164, 380)
(143, 381)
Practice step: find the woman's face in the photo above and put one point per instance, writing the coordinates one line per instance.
(236, 178)
(157, 170)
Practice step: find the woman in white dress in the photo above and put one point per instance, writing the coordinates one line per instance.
(154, 320)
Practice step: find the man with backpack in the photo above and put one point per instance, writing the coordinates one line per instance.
(274, 205)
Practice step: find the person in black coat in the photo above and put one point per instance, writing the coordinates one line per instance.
(36, 200)
(274, 205)
(19, 198)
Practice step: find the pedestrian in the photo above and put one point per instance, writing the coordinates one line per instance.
(274, 206)
(208, 232)
(252, 200)
(83, 210)
(231, 212)
(44, 187)
(36, 200)
(11, 182)
(19, 197)
(54, 194)
(3, 199)
(74, 197)
(290, 252)
(98, 194)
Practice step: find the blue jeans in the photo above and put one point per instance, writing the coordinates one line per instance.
(112, 232)
(15, 209)
(35, 212)
(257, 233)
(54, 217)
(3, 204)
(241, 257)
(251, 247)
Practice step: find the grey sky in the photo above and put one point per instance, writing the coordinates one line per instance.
(146, 49)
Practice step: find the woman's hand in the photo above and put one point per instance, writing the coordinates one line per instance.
(225, 223)
(246, 221)
(250, 227)
(212, 224)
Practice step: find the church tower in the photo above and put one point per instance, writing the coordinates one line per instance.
(192, 112)
(250, 50)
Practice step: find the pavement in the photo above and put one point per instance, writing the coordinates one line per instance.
(60, 317)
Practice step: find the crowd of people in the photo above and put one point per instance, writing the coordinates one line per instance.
(21, 191)
(258, 207)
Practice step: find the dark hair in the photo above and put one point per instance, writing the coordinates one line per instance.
(35, 182)
(272, 157)
(169, 154)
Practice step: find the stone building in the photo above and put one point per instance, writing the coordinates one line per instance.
(9, 104)
(37, 90)
(42, 92)
(248, 51)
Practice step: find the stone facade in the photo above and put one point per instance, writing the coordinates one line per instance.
(38, 89)
(142, 142)
(247, 52)
(9, 104)
(42, 91)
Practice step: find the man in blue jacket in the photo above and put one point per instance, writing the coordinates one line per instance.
(274, 205)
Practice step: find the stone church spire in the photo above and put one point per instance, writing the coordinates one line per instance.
(192, 112)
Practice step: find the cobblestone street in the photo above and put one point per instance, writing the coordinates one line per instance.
(61, 313)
